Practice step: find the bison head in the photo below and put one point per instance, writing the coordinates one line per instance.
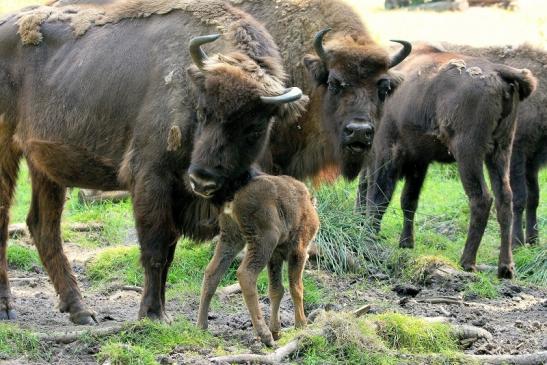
(351, 81)
(237, 99)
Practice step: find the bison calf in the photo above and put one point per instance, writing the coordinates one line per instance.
(274, 217)
(530, 144)
(451, 108)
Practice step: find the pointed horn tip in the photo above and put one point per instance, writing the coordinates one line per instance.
(290, 95)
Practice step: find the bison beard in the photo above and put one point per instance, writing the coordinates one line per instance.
(466, 113)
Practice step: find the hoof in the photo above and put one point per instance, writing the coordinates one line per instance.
(83, 318)
(8, 315)
(406, 244)
(469, 267)
(276, 335)
(506, 271)
(267, 339)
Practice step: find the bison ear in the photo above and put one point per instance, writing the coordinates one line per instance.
(316, 69)
(197, 77)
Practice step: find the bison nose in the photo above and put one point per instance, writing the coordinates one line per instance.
(358, 135)
(202, 182)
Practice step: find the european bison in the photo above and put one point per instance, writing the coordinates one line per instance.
(347, 80)
(530, 143)
(274, 218)
(110, 98)
(450, 108)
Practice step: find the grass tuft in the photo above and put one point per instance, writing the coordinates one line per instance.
(125, 354)
(22, 257)
(486, 286)
(414, 335)
(17, 342)
(419, 268)
(531, 263)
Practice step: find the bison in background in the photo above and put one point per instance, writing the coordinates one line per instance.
(530, 144)
(126, 106)
(451, 108)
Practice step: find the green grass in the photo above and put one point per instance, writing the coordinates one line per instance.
(141, 341)
(23, 257)
(486, 286)
(16, 342)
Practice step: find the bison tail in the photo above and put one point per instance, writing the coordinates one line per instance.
(523, 79)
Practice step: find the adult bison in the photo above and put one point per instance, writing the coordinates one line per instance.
(347, 80)
(450, 108)
(530, 144)
(108, 97)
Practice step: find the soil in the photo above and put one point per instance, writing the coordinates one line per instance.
(517, 320)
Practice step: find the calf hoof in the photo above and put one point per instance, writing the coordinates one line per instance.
(267, 338)
(84, 317)
(468, 267)
(506, 271)
(406, 243)
(276, 335)
(7, 313)
(203, 324)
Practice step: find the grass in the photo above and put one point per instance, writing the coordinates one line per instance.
(140, 342)
(384, 339)
(23, 257)
(16, 342)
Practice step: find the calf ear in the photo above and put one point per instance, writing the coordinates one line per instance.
(316, 69)
(197, 77)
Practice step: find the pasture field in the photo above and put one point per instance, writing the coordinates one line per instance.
(352, 270)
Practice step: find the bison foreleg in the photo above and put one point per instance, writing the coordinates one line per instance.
(414, 181)
(9, 166)
(230, 244)
(44, 223)
(259, 251)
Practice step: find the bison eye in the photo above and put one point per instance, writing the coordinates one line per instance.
(384, 89)
(335, 86)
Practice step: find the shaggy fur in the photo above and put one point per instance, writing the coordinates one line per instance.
(530, 144)
(315, 144)
(273, 217)
(123, 107)
(451, 108)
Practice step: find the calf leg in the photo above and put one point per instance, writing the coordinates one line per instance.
(276, 291)
(480, 201)
(157, 237)
(414, 181)
(44, 223)
(9, 167)
(498, 168)
(532, 204)
(518, 187)
(297, 261)
(229, 245)
(259, 252)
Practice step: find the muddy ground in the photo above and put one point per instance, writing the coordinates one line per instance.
(517, 320)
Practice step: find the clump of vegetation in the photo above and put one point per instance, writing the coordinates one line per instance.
(22, 257)
(531, 263)
(420, 267)
(16, 342)
(486, 286)
(346, 240)
(141, 341)
(125, 354)
(414, 335)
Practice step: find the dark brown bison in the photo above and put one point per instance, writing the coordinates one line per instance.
(273, 217)
(450, 108)
(530, 143)
(129, 105)
(347, 79)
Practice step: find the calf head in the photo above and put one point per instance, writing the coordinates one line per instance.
(237, 99)
(351, 81)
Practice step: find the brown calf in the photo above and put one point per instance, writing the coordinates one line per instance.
(274, 217)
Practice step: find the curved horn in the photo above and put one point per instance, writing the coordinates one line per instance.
(198, 55)
(318, 44)
(290, 95)
(402, 54)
